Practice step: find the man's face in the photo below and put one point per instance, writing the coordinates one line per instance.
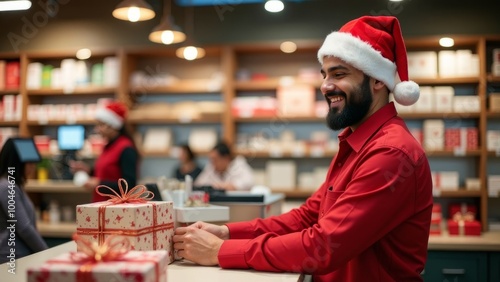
(347, 92)
(220, 163)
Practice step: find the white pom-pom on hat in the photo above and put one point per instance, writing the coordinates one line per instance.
(406, 93)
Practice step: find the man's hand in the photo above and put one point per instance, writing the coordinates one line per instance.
(220, 231)
(197, 245)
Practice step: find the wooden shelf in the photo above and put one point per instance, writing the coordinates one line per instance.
(165, 154)
(493, 79)
(439, 115)
(268, 84)
(447, 80)
(90, 90)
(59, 122)
(460, 193)
(9, 91)
(451, 153)
(188, 86)
(493, 114)
(9, 123)
(53, 186)
(174, 121)
(59, 230)
(493, 154)
(277, 118)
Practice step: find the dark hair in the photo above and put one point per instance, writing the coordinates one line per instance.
(125, 132)
(190, 155)
(9, 158)
(222, 149)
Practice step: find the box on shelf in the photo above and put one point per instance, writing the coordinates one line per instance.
(462, 209)
(135, 265)
(443, 99)
(464, 228)
(433, 132)
(436, 219)
(296, 100)
(425, 103)
(494, 102)
(493, 140)
(466, 104)
(473, 184)
(422, 64)
(463, 138)
(494, 186)
(147, 225)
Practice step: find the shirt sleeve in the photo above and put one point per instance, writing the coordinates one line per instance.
(376, 200)
(128, 167)
(25, 228)
(243, 179)
(206, 176)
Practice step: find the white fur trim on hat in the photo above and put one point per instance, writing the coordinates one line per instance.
(360, 55)
(109, 117)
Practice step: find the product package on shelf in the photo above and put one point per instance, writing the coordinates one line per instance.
(436, 220)
(148, 225)
(463, 220)
(111, 261)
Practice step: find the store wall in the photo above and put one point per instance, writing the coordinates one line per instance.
(88, 23)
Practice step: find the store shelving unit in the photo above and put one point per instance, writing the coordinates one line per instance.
(194, 79)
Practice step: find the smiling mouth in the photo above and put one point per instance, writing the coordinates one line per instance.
(335, 101)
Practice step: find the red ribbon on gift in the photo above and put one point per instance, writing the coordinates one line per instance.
(138, 194)
(92, 253)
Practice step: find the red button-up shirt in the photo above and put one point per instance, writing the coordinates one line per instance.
(369, 221)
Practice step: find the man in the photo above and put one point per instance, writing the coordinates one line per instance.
(225, 171)
(370, 219)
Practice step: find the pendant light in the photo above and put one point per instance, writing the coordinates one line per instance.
(167, 32)
(134, 11)
(189, 51)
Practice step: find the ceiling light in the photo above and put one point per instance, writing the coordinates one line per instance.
(190, 53)
(288, 47)
(14, 5)
(274, 6)
(167, 32)
(83, 54)
(134, 11)
(446, 42)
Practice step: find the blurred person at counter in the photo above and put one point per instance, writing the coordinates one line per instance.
(370, 219)
(187, 164)
(119, 158)
(18, 238)
(225, 171)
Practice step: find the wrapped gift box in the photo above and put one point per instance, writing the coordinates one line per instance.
(462, 227)
(147, 266)
(436, 219)
(461, 208)
(148, 226)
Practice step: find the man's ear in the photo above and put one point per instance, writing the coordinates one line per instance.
(378, 85)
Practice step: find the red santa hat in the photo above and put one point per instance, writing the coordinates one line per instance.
(113, 114)
(375, 46)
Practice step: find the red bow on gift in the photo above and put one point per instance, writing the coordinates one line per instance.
(112, 249)
(138, 194)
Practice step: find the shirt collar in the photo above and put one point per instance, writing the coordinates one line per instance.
(360, 136)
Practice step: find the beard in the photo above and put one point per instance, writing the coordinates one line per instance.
(355, 108)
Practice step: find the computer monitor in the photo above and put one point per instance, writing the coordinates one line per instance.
(70, 137)
(26, 149)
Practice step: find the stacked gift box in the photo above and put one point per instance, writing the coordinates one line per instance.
(462, 220)
(465, 137)
(127, 238)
